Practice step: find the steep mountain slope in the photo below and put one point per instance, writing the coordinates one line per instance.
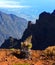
(11, 25)
(43, 31)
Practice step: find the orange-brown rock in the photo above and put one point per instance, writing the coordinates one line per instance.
(11, 57)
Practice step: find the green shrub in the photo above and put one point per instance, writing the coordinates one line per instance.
(12, 49)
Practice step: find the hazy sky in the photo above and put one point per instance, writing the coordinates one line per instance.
(29, 9)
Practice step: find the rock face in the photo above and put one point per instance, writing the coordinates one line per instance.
(43, 31)
(11, 25)
(11, 43)
(14, 43)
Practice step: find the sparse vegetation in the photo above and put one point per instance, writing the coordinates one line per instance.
(12, 49)
(50, 51)
(22, 64)
(8, 57)
(53, 64)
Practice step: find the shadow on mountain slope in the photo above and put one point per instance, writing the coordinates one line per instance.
(43, 31)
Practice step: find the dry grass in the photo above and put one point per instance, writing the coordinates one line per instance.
(50, 51)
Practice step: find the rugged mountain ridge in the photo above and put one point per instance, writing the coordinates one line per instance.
(43, 31)
(11, 25)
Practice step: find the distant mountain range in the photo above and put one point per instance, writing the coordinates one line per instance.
(11, 25)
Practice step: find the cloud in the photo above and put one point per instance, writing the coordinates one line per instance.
(11, 4)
